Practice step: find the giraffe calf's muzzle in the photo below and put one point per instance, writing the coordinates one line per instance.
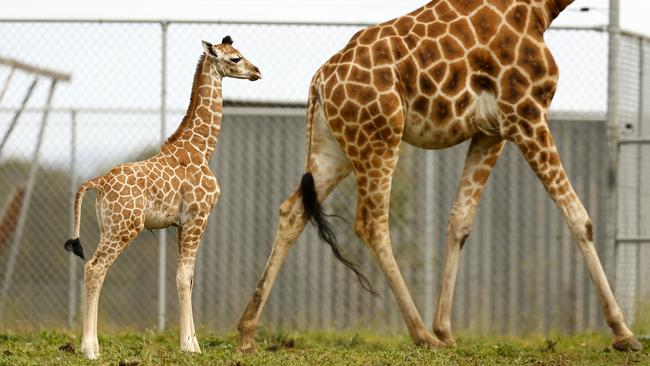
(255, 75)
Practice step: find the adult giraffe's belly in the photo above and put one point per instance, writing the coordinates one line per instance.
(438, 123)
(428, 134)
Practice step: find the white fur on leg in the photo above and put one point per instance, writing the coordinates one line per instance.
(89, 343)
(197, 348)
(90, 348)
(189, 343)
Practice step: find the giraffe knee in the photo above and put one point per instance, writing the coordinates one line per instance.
(361, 228)
(582, 228)
(89, 268)
(285, 208)
(94, 274)
(365, 227)
(371, 229)
(184, 278)
(458, 229)
(288, 205)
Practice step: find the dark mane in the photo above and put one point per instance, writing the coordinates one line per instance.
(193, 100)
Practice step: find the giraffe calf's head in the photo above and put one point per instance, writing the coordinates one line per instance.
(229, 62)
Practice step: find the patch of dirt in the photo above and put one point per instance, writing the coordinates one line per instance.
(129, 363)
(285, 344)
(68, 348)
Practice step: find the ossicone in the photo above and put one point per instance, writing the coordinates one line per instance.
(227, 40)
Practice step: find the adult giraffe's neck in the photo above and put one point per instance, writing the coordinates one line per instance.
(553, 8)
(201, 125)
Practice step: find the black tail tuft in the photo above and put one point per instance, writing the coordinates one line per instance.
(314, 213)
(74, 246)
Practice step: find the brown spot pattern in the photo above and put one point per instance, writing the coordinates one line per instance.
(456, 78)
(466, 7)
(461, 29)
(486, 22)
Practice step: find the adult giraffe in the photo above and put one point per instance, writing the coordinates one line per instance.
(449, 71)
(174, 188)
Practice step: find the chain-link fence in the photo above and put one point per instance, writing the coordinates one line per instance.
(520, 270)
(633, 241)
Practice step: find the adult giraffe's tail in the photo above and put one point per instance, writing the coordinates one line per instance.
(74, 245)
(311, 204)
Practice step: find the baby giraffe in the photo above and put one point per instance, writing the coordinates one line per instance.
(174, 188)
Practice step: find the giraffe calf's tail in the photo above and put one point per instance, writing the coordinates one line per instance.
(314, 213)
(74, 245)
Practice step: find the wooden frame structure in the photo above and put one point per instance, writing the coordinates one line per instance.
(19, 205)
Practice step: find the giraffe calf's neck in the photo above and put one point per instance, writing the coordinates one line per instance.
(197, 135)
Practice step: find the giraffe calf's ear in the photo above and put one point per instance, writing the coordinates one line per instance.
(227, 40)
(207, 47)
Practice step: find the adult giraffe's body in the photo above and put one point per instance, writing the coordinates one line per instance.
(173, 188)
(449, 71)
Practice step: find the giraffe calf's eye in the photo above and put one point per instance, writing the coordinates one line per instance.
(235, 59)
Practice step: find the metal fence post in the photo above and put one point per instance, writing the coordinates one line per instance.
(72, 260)
(639, 171)
(429, 239)
(162, 239)
(613, 132)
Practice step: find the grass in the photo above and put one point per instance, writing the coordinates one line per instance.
(315, 348)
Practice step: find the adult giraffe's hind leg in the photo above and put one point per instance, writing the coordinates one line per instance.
(539, 150)
(289, 228)
(481, 158)
(328, 166)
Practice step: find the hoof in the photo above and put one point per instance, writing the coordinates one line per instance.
(448, 342)
(91, 355)
(429, 341)
(191, 345)
(190, 349)
(445, 337)
(627, 344)
(247, 347)
(90, 349)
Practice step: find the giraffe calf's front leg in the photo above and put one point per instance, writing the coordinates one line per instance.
(189, 237)
(184, 281)
(90, 347)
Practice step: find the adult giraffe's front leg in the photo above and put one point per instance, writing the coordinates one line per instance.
(189, 237)
(537, 145)
(481, 158)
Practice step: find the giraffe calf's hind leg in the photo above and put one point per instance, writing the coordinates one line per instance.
(110, 246)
